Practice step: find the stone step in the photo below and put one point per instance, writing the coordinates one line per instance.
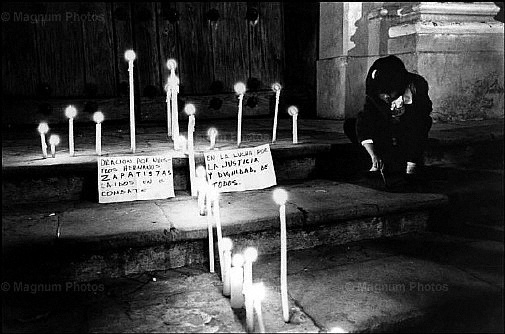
(323, 152)
(114, 240)
(78, 180)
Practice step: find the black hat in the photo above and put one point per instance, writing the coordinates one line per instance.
(386, 75)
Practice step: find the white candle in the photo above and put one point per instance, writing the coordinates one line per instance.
(276, 87)
(293, 111)
(98, 118)
(212, 133)
(201, 183)
(213, 197)
(240, 90)
(130, 57)
(71, 112)
(250, 255)
(210, 223)
(169, 110)
(171, 64)
(237, 281)
(173, 84)
(189, 109)
(226, 247)
(53, 141)
(280, 197)
(258, 292)
(43, 129)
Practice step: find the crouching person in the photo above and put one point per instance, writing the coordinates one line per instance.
(395, 117)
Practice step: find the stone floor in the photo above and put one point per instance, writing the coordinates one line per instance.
(421, 282)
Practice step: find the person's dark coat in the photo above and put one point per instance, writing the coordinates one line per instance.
(377, 122)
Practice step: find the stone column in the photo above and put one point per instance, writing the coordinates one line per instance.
(351, 36)
(458, 48)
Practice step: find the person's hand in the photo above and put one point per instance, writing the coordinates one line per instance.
(377, 163)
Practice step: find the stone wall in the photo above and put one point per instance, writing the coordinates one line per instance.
(457, 47)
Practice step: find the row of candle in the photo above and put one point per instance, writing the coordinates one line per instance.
(172, 89)
(179, 141)
(71, 113)
(236, 271)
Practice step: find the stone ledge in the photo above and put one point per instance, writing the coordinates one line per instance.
(144, 224)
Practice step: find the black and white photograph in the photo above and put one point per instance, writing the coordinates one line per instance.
(252, 167)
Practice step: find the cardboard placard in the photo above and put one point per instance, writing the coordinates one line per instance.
(131, 178)
(240, 169)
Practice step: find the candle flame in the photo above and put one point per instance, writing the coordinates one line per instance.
(280, 196)
(98, 117)
(54, 140)
(237, 260)
(212, 132)
(292, 111)
(226, 244)
(189, 109)
(250, 254)
(130, 55)
(276, 87)
(43, 128)
(70, 111)
(240, 88)
(171, 64)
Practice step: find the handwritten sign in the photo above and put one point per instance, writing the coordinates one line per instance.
(241, 169)
(131, 178)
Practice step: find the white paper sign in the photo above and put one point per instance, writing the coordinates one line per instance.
(131, 178)
(240, 169)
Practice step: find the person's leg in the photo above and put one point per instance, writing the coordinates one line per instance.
(414, 139)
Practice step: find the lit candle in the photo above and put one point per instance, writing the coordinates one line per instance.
(280, 197)
(130, 57)
(276, 87)
(212, 133)
(53, 141)
(43, 129)
(173, 84)
(258, 292)
(237, 281)
(71, 112)
(189, 109)
(240, 90)
(226, 246)
(213, 197)
(250, 255)
(293, 111)
(98, 118)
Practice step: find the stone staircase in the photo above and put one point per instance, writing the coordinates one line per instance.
(53, 226)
